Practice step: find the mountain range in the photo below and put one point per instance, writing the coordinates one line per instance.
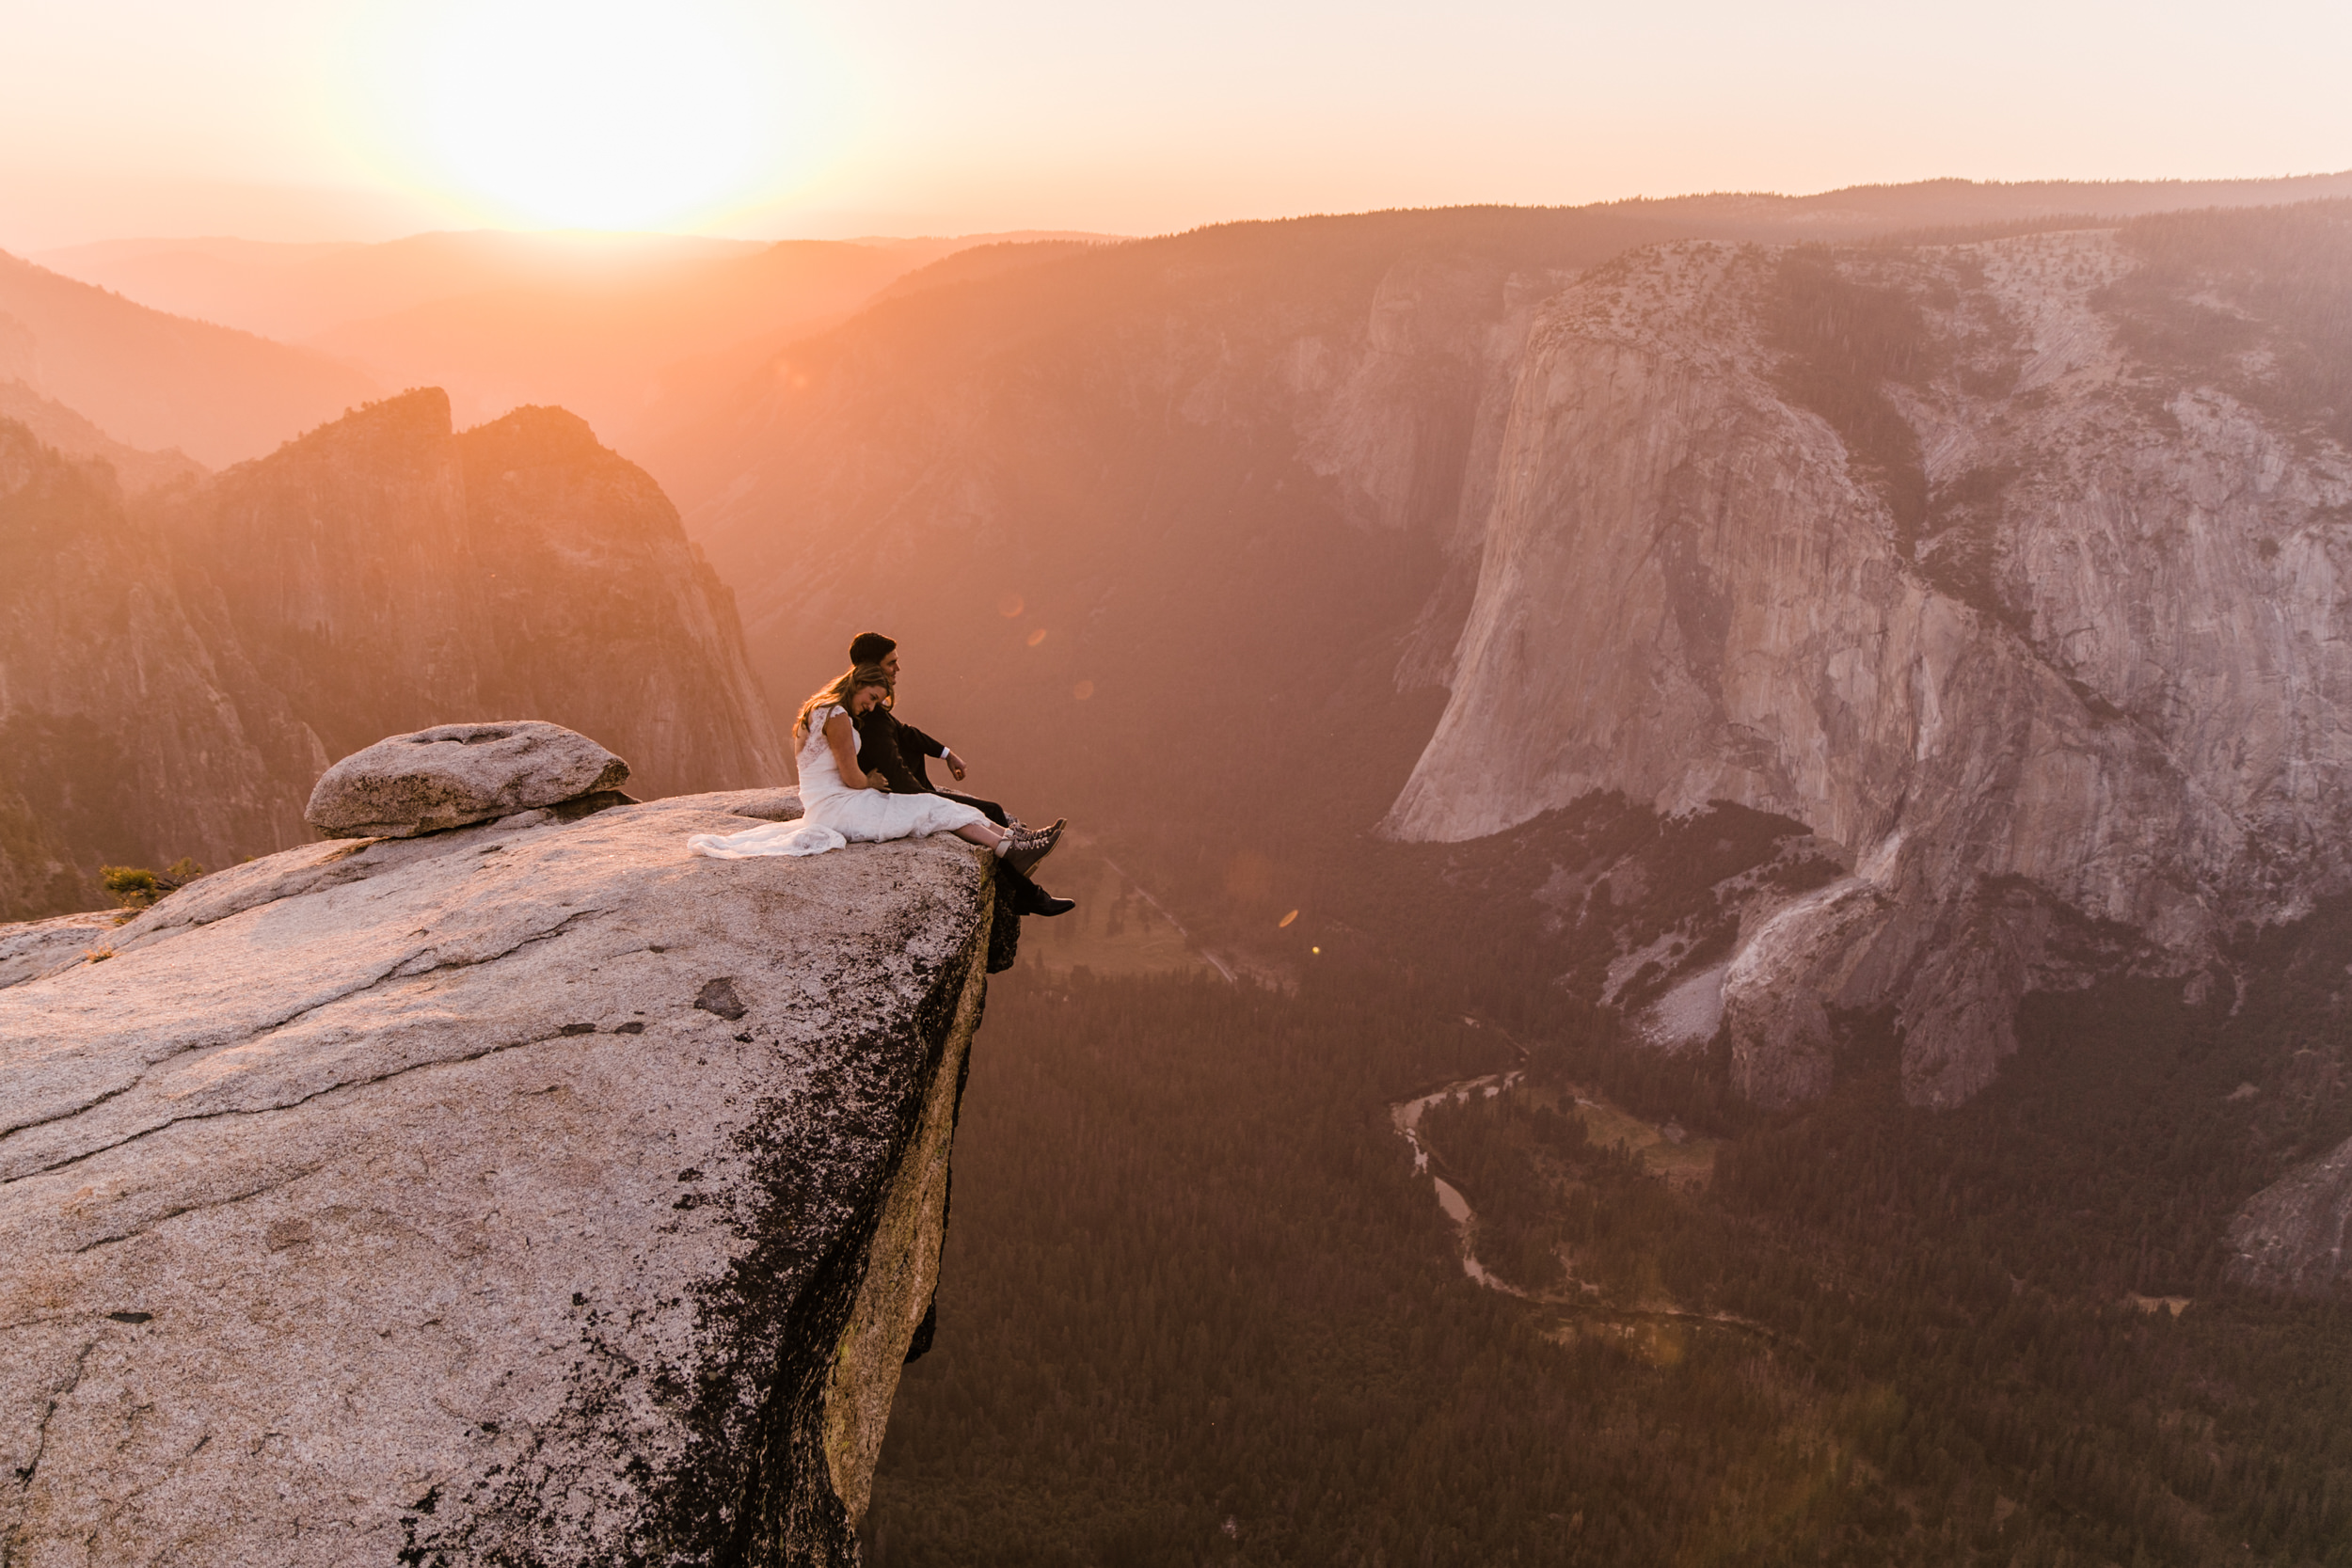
(1804, 738)
(155, 381)
(615, 327)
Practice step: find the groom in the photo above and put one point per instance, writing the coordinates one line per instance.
(896, 750)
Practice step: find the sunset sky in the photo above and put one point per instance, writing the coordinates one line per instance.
(279, 119)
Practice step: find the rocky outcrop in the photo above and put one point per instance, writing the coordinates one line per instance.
(606, 618)
(531, 1192)
(180, 670)
(2291, 1235)
(386, 574)
(456, 775)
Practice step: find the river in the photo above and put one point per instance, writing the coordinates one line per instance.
(1405, 1116)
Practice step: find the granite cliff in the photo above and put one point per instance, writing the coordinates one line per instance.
(1935, 552)
(180, 666)
(531, 1192)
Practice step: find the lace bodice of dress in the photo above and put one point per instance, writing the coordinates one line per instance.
(817, 769)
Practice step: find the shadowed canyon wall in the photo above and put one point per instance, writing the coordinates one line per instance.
(181, 666)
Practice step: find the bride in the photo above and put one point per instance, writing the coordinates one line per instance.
(837, 793)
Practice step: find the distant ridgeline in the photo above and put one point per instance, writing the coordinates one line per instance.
(181, 663)
(2004, 562)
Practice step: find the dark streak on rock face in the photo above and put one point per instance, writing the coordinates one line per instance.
(751, 1488)
(1004, 937)
(779, 1517)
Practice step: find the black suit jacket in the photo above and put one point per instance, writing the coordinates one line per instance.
(896, 750)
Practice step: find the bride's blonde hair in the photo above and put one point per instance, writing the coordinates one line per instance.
(838, 692)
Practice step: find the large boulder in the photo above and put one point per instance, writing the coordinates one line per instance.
(454, 775)
(533, 1193)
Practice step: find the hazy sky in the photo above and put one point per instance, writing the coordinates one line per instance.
(312, 118)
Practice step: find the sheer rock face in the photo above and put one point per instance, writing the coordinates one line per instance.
(2065, 665)
(531, 1192)
(179, 671)
(132, 730)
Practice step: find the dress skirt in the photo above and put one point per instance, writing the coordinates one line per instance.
(872, 815)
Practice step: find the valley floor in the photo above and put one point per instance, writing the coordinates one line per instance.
(1199, 1306)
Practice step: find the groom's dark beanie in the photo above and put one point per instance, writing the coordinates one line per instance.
(870, 647)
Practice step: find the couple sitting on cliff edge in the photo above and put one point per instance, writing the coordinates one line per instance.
(862, 774)
(863, 780)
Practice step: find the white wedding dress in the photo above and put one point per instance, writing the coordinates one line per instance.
(867, 816)
(832, 814)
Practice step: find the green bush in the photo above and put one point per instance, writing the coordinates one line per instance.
(135, 887)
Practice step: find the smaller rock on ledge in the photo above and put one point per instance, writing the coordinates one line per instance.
(531, 1193)
(454, 775)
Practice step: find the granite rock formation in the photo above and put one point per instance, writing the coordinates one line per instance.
(182, 668)
(2046, 634)
(131, 728)
(2291, 1235)
(531, 1192)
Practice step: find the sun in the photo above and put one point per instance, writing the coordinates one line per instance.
(594, 114)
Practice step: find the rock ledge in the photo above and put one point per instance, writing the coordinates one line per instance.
(394, 1201)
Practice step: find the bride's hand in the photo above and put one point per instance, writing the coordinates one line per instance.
(875, 780)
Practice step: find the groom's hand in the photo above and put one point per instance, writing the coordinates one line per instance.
(954, 763)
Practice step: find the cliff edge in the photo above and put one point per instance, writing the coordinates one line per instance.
(533, 1192)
